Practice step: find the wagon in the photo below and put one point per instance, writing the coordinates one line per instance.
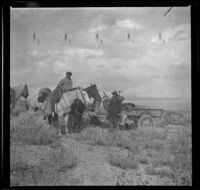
(131, 115)
(134, 116)
(140, 116)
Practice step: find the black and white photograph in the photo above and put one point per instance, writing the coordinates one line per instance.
(100, 96)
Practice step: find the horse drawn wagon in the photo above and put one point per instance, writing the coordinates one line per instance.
(141, 116)
(137, 116)
(132, 115)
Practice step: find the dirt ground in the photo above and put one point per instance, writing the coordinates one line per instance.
(93, 167)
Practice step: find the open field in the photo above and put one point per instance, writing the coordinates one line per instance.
(160, 155)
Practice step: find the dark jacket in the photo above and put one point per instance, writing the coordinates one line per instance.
(115, 106)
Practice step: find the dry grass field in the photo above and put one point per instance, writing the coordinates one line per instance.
(160, 155)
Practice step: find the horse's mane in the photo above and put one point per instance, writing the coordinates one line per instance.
(93, 92)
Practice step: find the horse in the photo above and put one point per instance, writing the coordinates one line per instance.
(62, 111)
(75, 115)
(16, 93)
(65, 107)
(57, 113)
(77, 108)
(93, 92)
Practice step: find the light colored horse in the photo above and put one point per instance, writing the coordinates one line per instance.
(60, 111)
(16, 93)
(62, 108)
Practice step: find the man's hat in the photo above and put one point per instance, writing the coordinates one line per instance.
(115, 92)
(68, 73)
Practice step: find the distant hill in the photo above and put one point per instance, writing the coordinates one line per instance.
(164, 103)
(153, 102)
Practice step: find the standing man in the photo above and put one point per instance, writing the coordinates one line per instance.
(114, 109)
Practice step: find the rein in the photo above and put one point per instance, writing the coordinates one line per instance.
(82, 96)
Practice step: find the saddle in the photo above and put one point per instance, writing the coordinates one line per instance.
(56, 95)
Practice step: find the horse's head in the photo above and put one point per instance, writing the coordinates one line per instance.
(93, 92)
(25, 93)
(85, 97)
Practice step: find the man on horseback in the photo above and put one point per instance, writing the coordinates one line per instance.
(63, 86)
(66, 83)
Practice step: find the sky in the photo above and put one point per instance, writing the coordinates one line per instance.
(154, 62)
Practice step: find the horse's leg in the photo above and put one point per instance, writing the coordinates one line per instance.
(70, 123)
(78, 120)
(97, 107)
(54, 121)
(65, 118)
(49, 118)
(57, 120)
(58, 124)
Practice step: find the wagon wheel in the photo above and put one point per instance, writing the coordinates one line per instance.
(134, 125)
(145, 121)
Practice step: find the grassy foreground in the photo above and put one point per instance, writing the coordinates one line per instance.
(29, 130)
(164, 153)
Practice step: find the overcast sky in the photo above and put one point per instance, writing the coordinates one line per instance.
(154, 62)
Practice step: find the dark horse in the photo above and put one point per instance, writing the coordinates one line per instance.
(78, 107)
(75, 115)
(16, 93)
(93, 92)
